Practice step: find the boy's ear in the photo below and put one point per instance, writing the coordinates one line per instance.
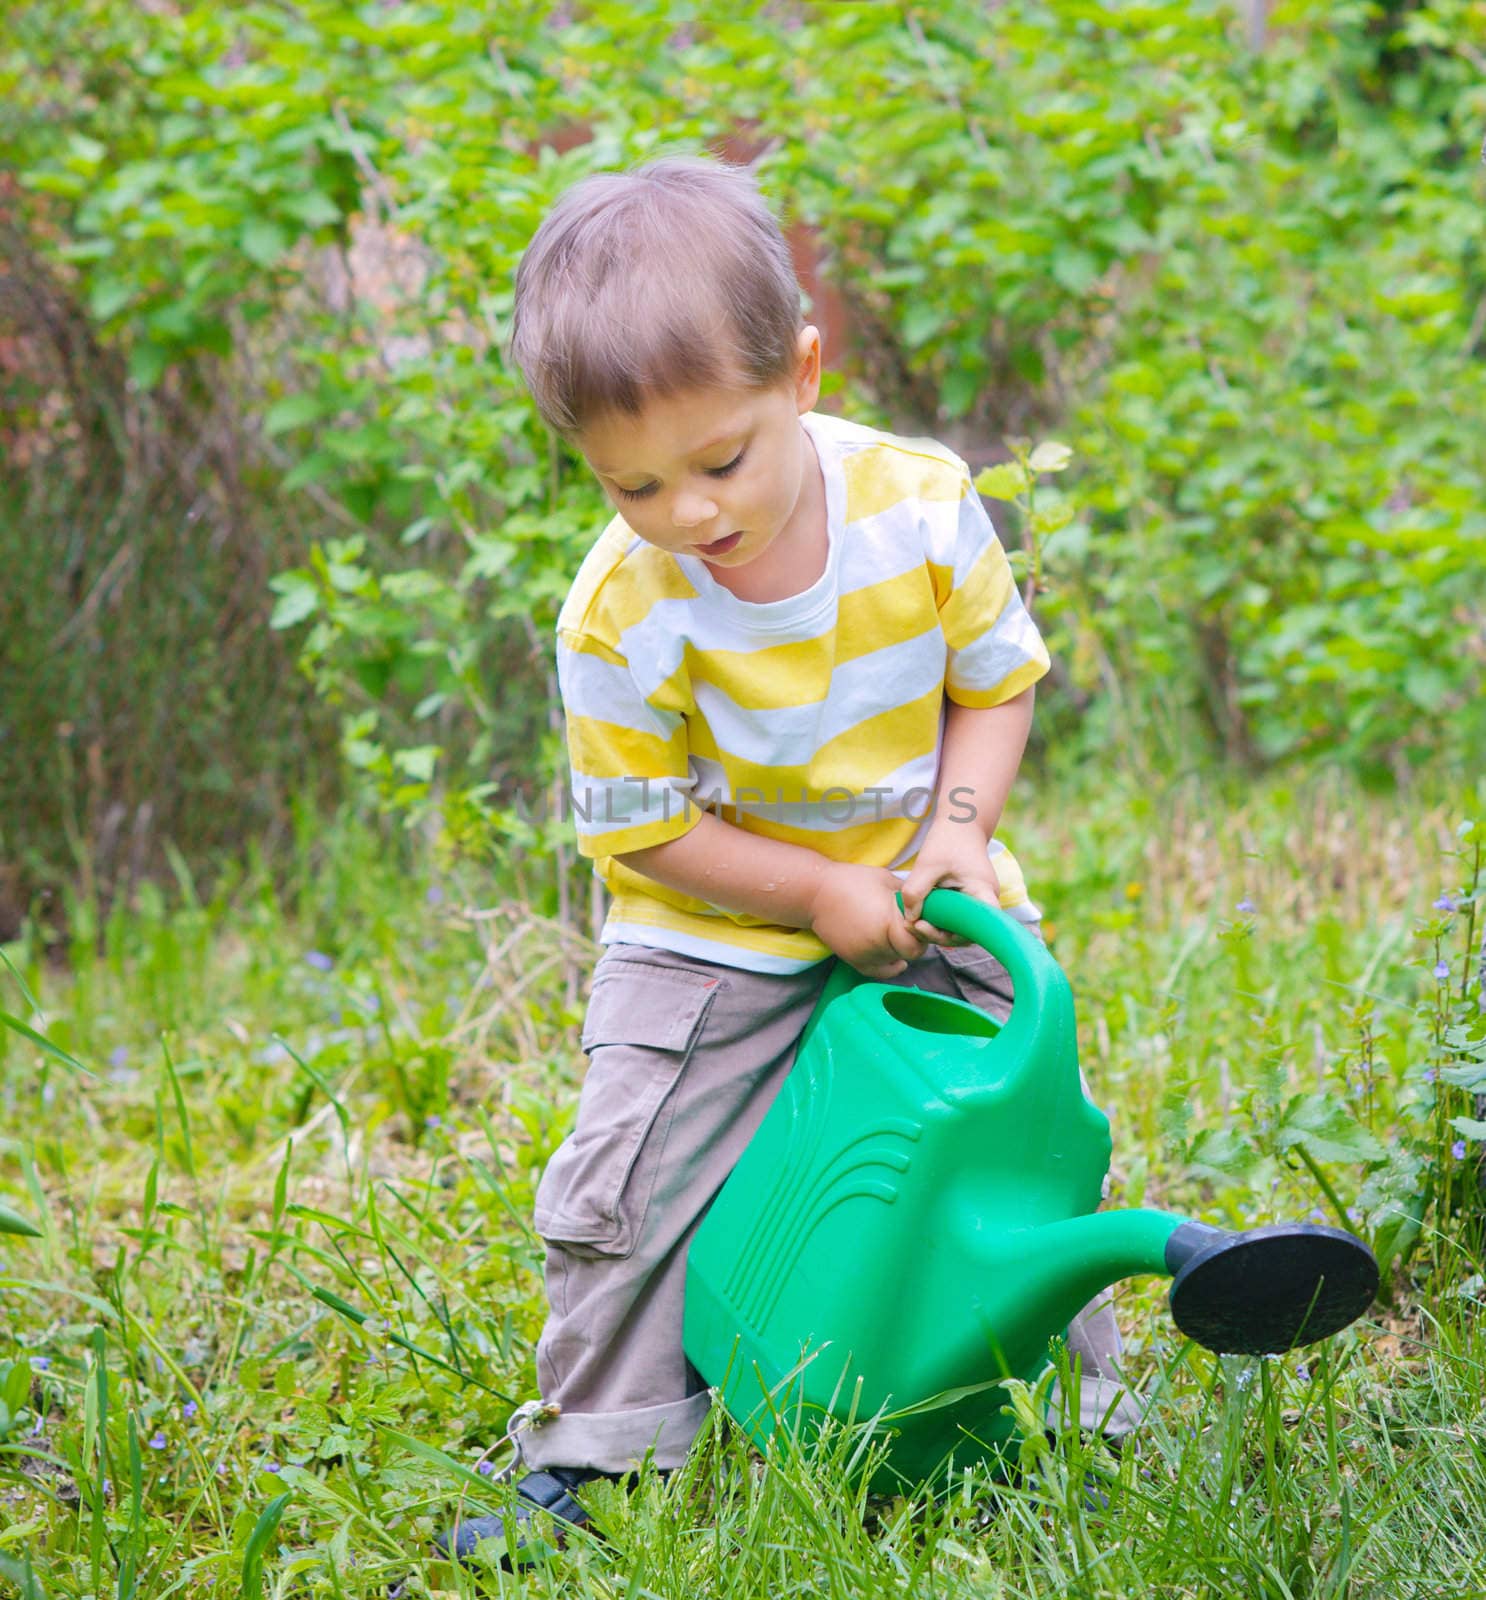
(807, 369)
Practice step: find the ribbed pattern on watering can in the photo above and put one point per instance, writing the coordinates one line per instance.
(810, 1185)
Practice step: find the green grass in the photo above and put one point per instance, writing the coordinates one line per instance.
(285, 1290)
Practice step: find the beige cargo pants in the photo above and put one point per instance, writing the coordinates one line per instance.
(685, 1057)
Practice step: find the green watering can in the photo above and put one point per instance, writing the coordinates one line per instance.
(916, 1218)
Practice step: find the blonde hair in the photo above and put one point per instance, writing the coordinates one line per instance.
(669, 277)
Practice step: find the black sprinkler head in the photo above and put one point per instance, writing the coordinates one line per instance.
(1268, 1289)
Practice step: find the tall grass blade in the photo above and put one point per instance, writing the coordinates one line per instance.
(14, 1222)
(43, 1043)
(258, 1541)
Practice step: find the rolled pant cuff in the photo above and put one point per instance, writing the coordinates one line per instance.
(618, 1441)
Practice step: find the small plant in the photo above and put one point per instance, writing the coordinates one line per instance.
(1434, 1179)
(1015, 481)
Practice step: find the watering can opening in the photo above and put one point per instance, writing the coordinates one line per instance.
(933, 1013)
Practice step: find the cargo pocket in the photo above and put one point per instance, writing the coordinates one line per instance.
(642, 1025)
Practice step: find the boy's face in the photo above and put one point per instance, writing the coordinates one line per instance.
(715, 473)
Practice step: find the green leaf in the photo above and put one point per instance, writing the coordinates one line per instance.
(418, 762)
(1469, 1128)
(147, 363)
(958, 391)
(920, 323)
(1075, 270)
(1004, 481)
(294, 605)
(1220, 1152)
(1396, 1230)
(263, 241)
(293, 411)
(1048, 519)
(313, 208)
(1050, 456)
(1328, 1131)
(1426, 686)
(436, 1457)
(109, 296)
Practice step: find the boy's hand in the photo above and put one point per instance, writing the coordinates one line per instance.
(855, 914)
(953, 857)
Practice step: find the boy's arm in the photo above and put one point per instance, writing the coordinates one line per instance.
(982, 752)
(852, 909)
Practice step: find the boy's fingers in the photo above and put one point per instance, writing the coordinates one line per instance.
(914, 891)
(881, 974)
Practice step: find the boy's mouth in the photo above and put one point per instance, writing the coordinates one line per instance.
(720, 547)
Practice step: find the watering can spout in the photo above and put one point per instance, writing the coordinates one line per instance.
(1256, 1292)
(1035, 1280)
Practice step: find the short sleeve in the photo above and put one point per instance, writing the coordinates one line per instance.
(995, 650)
(630, 771)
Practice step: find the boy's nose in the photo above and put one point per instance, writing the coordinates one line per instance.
(690, 511)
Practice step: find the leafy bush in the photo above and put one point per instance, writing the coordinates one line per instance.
(1246, 286)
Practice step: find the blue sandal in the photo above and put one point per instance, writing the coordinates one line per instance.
(551, 1490)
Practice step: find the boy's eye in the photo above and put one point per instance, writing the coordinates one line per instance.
(724, 471)
(731, 467)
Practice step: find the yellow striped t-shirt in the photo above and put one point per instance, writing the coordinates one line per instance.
(817, 719)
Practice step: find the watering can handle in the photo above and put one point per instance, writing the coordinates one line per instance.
(1041, 989)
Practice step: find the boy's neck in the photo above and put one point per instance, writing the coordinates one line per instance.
(797, 557)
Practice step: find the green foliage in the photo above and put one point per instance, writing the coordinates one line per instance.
(147, 706)
(1247, 288)
(1283, 425)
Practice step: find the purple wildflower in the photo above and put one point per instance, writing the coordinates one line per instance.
(319, 960)
(1458, 1149)
(189, 1409)
(1447, 902)
(433, 1120)
(41, 1363)
(1430, 1074)
(1246, 906)
(1442, 970)
(271, 1466)
(435, 895)
(485, 1468)
(158, 1442)
(118, 1056)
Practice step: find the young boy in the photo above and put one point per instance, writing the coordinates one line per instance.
(798, 680)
